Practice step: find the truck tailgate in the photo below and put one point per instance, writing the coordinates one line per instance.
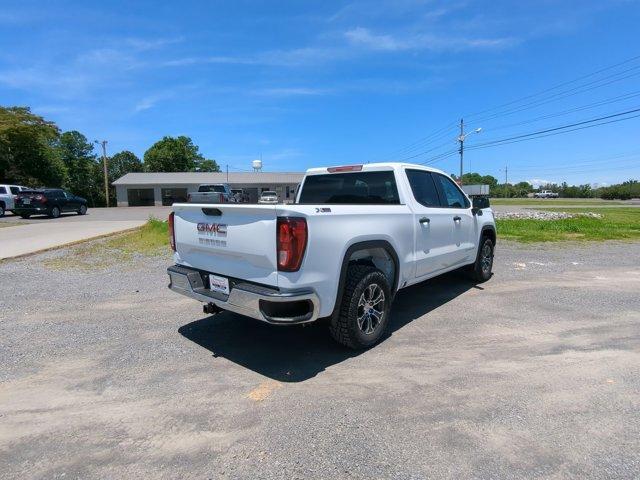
(228, 239)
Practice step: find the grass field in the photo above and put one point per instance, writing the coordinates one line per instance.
(551, 202)
(149, 240)
(616, 224)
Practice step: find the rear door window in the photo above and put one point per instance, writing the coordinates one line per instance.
(351, 188)
(15, 190)
(57, 194)
(423, 188)
(3, 190)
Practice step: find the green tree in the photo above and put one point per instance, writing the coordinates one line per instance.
(207, 166)
(27, 153)
(77, 154)
(119, 165)
(122, 163)
(172, 155)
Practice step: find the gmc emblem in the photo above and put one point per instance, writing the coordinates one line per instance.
(213, 228)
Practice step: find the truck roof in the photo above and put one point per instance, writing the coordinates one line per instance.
(370, 167)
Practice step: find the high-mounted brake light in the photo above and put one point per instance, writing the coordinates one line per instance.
(291, 243)
(172, 232)
(345, 168)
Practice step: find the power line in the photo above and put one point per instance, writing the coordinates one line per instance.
(549, 130)
(556, 97)
(423, 142)
(573, 110)
(585, 87)
(621, 157)
(554, 87)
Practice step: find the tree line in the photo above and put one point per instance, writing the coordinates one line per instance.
(34, 152)
(621, 191)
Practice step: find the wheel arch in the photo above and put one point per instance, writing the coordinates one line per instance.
(489, 231)
(351, 256)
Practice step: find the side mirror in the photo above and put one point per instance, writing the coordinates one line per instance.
(480, 202)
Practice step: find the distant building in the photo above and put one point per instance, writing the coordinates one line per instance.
(149, 189)
(476, 190)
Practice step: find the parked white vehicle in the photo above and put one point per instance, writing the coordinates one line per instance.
(8, 196)
(545, 194)
(268, 197)
(355, 236)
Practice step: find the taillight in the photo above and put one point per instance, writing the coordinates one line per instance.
(222, 198)
(40, 198)
(292, 242)
(172, 233)
(188, 197)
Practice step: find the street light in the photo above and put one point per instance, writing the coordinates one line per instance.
(461, 138)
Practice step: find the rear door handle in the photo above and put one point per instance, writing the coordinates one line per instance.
(424, 220)
(456, 219)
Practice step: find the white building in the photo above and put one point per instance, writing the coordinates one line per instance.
(149, 189)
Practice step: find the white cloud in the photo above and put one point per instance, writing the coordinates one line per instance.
(363, 37)
(538, 182)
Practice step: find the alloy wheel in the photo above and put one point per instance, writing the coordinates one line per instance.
(370, 309)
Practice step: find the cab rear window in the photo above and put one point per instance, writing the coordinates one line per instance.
(351, 188)
(211, 188)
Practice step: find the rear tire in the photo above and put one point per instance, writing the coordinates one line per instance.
(2, 211)
(25, 215)
(482, 270)
(54, 212)
(364, 310)
(82, 210)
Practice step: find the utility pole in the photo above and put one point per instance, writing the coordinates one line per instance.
(227, 173)
(506, 174)
(104, 167)
(461, 140)
(463, 136)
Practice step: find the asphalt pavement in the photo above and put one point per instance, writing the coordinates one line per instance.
(533, 374)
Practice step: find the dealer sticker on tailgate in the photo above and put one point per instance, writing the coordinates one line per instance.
(219, 284)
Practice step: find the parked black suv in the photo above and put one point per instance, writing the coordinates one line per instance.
(48, 201)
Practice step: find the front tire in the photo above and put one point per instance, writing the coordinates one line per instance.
(82, 210)
(364, 309)
(2, 211)
(54, 212)
(25, 215)
(482, 269)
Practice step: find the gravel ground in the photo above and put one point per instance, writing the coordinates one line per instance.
(534, 374)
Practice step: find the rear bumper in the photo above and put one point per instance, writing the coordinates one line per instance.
(256, 301)
(31, 210)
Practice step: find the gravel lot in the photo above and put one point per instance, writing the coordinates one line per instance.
(534, 374)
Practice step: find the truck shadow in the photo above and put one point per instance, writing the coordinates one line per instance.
(297, 353)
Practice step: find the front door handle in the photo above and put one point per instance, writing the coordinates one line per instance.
(456, 219)
(424, 220)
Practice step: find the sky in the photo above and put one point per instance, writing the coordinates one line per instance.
(306, 84)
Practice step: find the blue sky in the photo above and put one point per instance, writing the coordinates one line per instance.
(317, 83)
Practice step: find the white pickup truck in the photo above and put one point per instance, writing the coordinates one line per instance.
(8, 195)
(545, 194)
(355, 236)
